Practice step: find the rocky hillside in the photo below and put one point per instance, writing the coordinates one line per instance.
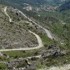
(15, 34)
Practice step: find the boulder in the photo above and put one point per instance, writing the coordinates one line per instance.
(52, 50)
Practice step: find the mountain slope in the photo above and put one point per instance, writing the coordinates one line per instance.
(34, 37)
(13, 34)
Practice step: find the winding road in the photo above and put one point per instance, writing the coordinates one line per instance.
(37, 36)
(49, 34)
(17, 49)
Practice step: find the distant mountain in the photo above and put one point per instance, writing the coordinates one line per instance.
(65, 6)
(55, 2)
(33, 2)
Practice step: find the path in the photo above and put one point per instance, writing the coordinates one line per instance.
(5, 11)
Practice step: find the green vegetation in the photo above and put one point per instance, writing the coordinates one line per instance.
(46, 40)
(3, 66)
(19, 54)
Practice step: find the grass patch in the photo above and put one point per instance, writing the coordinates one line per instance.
(46, 40)
(23, 54)
(3, 66)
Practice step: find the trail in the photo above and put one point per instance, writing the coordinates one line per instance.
(5, 11)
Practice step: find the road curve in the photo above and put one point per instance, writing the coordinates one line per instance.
(46, 30)
(18, 49)
(24, 49)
